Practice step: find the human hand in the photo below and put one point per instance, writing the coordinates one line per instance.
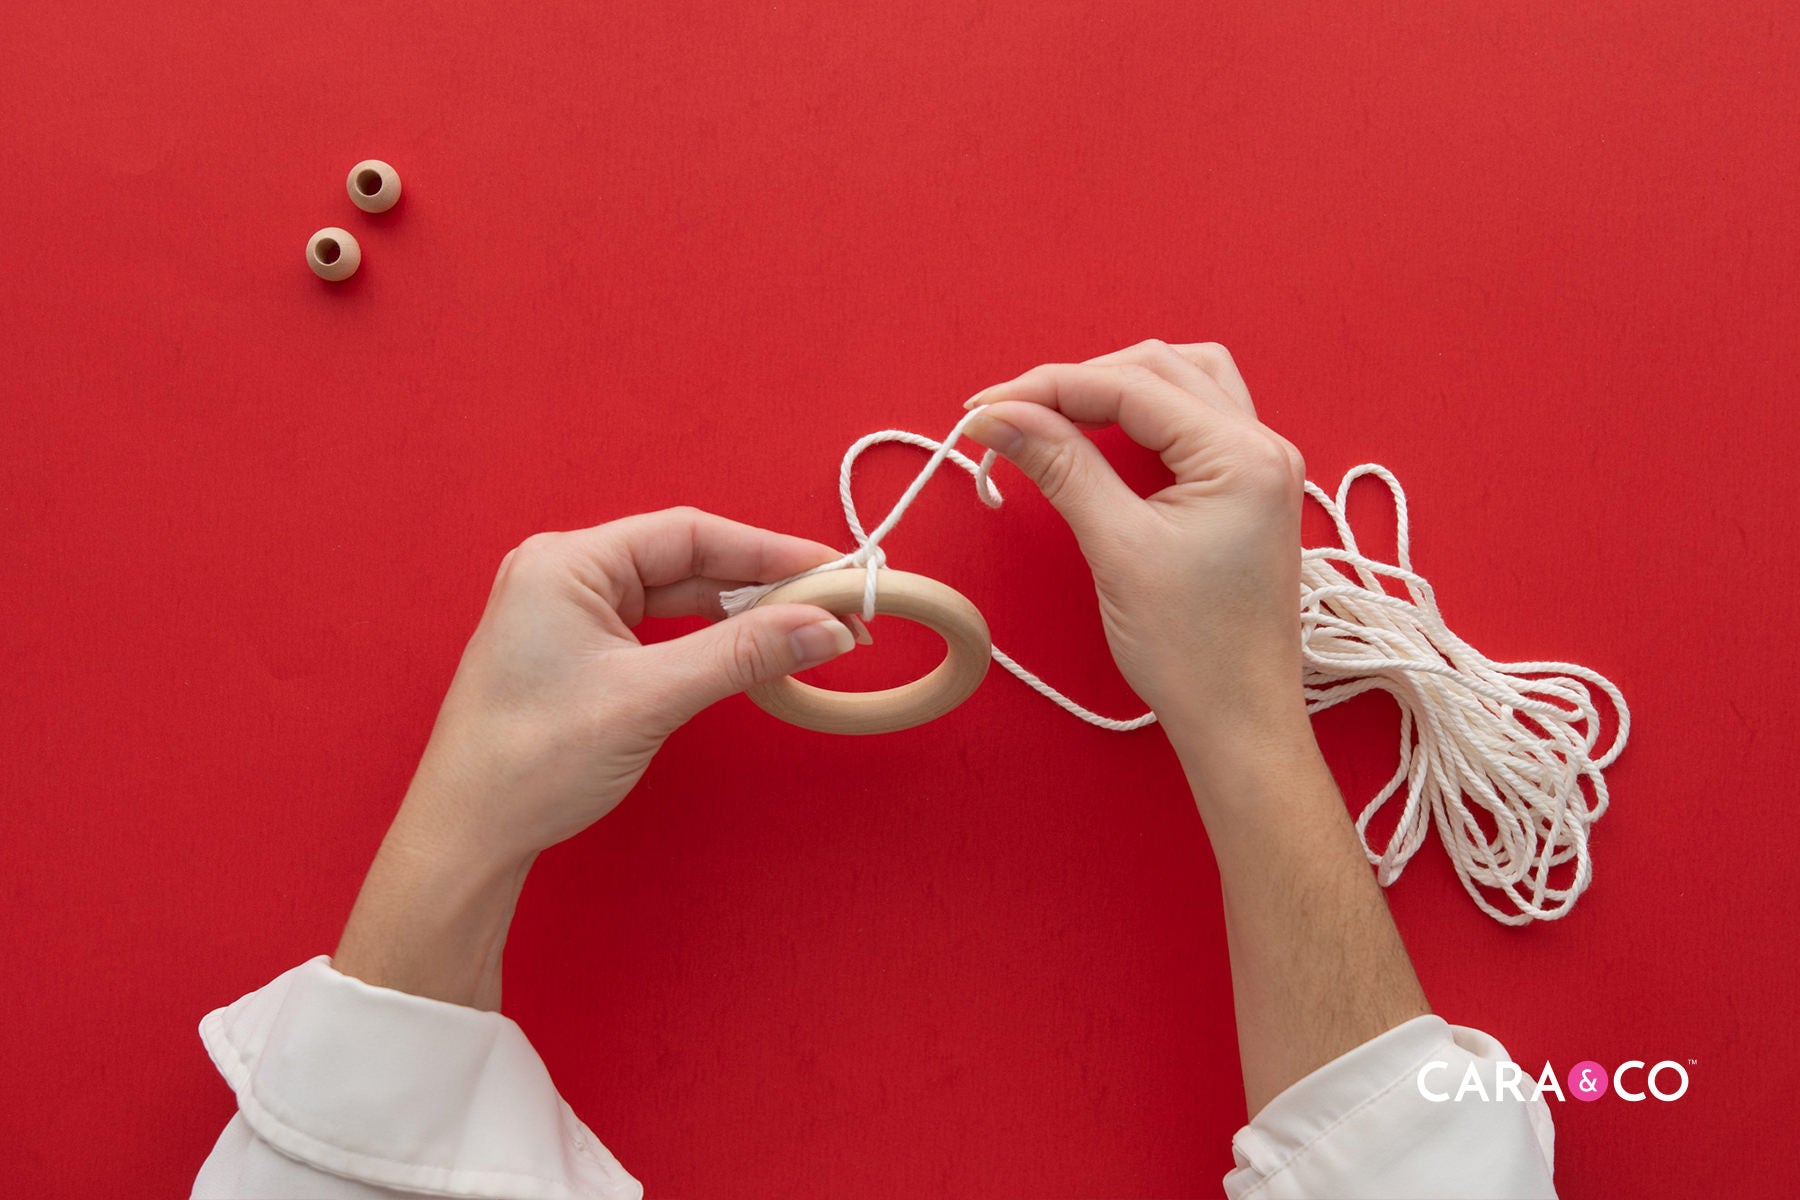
(1199, 588)
(1199, 583)
(556, 707)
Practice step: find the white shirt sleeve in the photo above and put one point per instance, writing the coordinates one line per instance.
(1361, 1126)
(348, 1091)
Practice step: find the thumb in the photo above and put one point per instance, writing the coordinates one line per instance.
(736, 654)
(1066, 467)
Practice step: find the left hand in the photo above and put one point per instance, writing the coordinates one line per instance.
(556, 708)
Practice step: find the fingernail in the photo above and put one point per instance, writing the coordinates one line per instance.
(820, 642)
(972, 401)
(859, 631)
(995, 434)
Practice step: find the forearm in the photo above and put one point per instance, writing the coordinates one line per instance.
(1317, 965)
(433, 913)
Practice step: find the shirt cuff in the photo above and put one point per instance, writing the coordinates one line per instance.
(1361, 1126)
(404, 1092)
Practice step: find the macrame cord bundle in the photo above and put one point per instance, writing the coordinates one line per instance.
(1504, 758)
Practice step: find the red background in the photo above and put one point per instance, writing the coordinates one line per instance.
(1538, 259)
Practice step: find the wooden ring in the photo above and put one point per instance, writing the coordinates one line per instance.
(934, 605)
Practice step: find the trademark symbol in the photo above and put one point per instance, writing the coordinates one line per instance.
(1693, 1062)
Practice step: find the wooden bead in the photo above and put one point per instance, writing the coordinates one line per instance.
(333, 254)
(373, 185)
(915, 597)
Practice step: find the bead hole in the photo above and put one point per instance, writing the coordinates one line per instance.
(327, 250)
(368, 181)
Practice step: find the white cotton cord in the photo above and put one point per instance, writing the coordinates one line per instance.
(1464, 744)
(869, 555)
(1464, 748)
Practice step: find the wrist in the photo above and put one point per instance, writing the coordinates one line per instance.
(1257, 769)
(1224, 727)
(432, 916)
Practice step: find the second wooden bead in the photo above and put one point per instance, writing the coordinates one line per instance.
(373, 185)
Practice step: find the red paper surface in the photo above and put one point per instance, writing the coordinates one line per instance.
(1538, 259)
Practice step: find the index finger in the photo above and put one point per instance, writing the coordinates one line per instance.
(1217, 362)
(1153, 412)
(659, 548)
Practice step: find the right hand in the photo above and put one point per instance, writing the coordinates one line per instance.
(1199, 584)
